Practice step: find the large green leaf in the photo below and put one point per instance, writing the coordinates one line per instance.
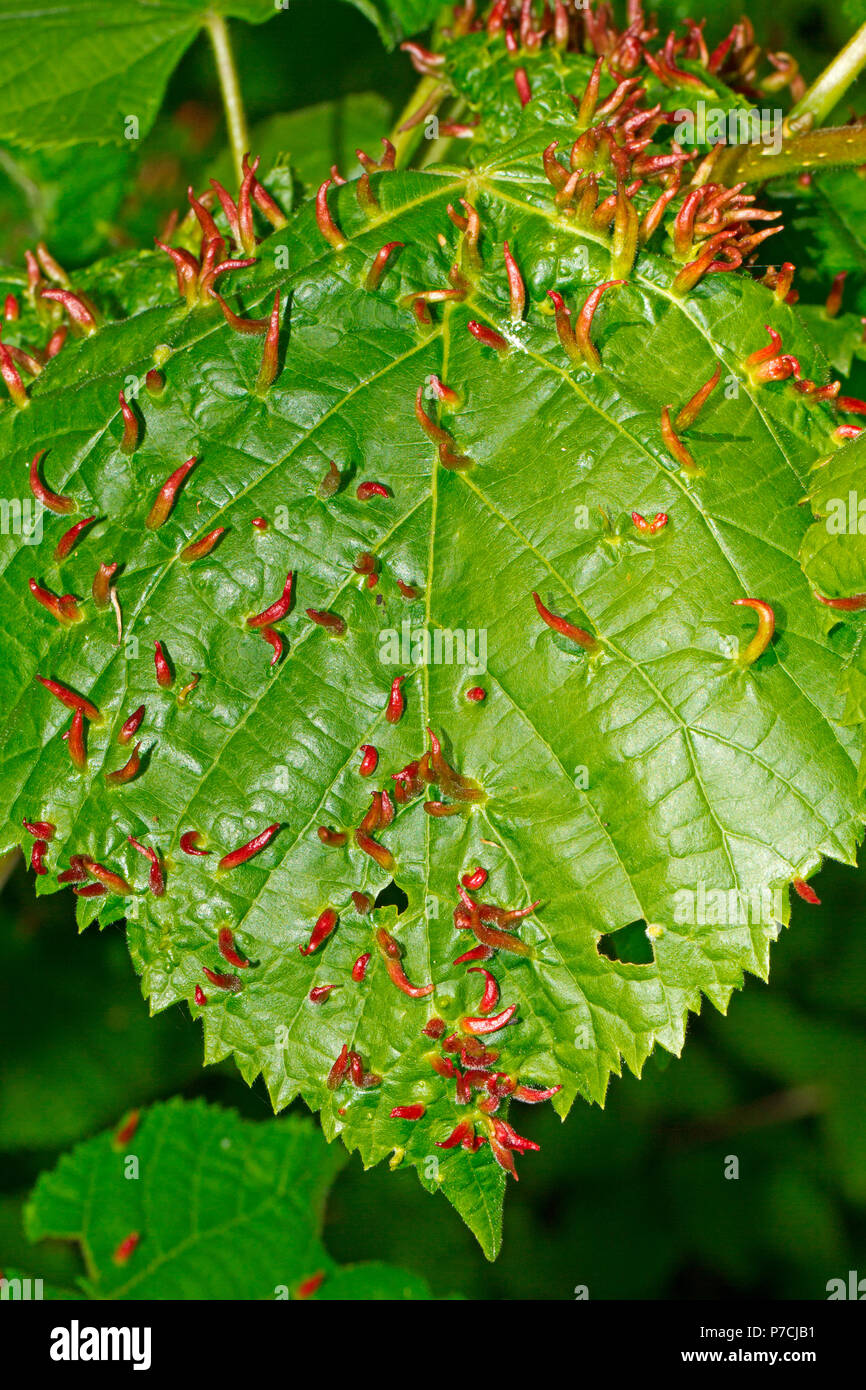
(629, 793)
(397, 19)
(74, 73)
(216, 1208)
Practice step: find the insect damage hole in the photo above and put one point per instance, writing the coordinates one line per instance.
(628, 945)
(392, 895)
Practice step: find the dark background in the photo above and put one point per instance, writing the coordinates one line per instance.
(633, 1200)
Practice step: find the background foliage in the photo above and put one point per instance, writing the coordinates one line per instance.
(635, 1203)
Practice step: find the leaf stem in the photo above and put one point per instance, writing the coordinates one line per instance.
(231, 93)
(817, 149)
(828, 90)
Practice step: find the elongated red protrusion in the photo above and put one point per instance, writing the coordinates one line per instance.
(500, 940)
(335, 839)
(40, 829)
(64, 608)
(368, 490)
(11, 311)
(480, 952)
(164, 676)
(188, 845)
(530, 1096)
(337, 1074)
(692, 409)
(249, 327)
(566, 629)
(516, 286)
(129, 770)
(370, 760)
(79, 312)
(55, 342)
(200, 996)
(674, 445)
(223, 981)
(263, 200)
(115, 883)
(13, 378)
(70, 699)
(584, 323)
(490, 997)
(277, 610)
(101, 586)
(845, 605)
(487, 337)
(383, 857)
(320, 993)
(325, 925)
(131, 726)
(37, 855)
(492, 1024)
(359, 969)
(650, 528)
(325, 222)
(129, 441)
(167, 495)
(396, 702)
(52, 500)
(332, 621)
(476, 879)
(834, 298)
(408, 1112)
(126, 1249)
(245, 852)
(228, 950)
(90, 890)
(362, 903)
(76, 873)
(126, 1130)
(380, 261)
(184, 694)
(270, 354)
(70, 538)
(196, 550)
(764, 635)
(461, 1132)
(524, 90)
(390, 952)
(157, 877)
(804, 891)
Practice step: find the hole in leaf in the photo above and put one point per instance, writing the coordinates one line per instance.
(392, 895)
(630, 945)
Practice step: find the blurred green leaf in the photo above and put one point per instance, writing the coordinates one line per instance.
(220, 1208)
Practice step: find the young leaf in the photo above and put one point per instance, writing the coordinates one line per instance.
(260, 1187)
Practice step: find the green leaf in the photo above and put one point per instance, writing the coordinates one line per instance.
(833, 553)
(191, 1178)
(653, 799)
(77, 75)
(397, 19)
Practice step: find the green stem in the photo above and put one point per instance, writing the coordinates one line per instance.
(231, 93)
(828, 90)
(818, 149)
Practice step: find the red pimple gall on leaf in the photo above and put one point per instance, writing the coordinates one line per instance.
(167, 495)
(396, 703)
(129, 771)
(325, 222)
(80, 313)
(380, 261)
(674, 445)
(10, 375)
(101, 586)
(52, 500)
(64, 609)
(764, 635)
(129, 441)
(584, 323)
(325, 925)
(164, 676)
(359, 969)
(524, 90)
(390, 952)
(228, 950)
(227, 982)
(270, 356)
(197, 550)
(70, 699)
(804, 891)
(156, 881)
(115, 883)
(188, 845)
(246, 852)
(566, 629)
(834, 298)
(335, 839)
(692, 409)
(369, 761)
(277, 610)
(70, 538)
